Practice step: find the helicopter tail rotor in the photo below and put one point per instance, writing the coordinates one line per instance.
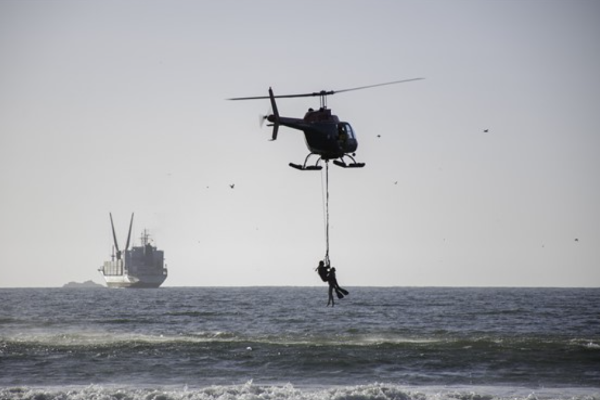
(263, 117)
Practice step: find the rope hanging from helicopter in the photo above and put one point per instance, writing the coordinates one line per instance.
(325, 188)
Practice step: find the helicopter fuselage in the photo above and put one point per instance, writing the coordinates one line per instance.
(324, 133)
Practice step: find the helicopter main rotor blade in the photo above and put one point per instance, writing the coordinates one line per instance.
(323, 93)
(285, 96)
(379, 84)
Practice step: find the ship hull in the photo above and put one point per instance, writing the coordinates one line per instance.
(127, 285)
(129, 281)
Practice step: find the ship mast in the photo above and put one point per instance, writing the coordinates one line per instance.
(145, 237)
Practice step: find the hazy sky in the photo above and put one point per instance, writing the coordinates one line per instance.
(112, 106)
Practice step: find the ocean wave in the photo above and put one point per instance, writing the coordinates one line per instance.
(74, 339)
(102, 339)
(105, 338)
(250, 391)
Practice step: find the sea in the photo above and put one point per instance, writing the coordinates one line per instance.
(280, 343)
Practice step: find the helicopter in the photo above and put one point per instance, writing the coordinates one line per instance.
(326, 136)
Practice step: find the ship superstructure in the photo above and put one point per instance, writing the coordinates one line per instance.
(141, 267)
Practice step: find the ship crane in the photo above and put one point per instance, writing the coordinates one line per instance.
(116, 242)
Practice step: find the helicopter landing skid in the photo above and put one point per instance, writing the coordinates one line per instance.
(353, 164)
(305, 167)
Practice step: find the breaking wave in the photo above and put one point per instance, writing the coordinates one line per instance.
(250, 391)
(90, 338)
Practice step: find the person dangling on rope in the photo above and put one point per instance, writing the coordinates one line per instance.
(323, 270)
(327, 274)
(333, 285)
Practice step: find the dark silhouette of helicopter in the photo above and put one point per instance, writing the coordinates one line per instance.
(326, 136)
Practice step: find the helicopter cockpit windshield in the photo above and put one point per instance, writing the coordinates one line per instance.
(345, 131)
(346, 138)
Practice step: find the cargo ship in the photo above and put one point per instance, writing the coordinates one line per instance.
(141, 267)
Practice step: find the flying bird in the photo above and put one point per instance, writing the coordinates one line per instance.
(232, 185)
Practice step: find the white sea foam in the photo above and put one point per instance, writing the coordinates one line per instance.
(251, 391)
(100, 338)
